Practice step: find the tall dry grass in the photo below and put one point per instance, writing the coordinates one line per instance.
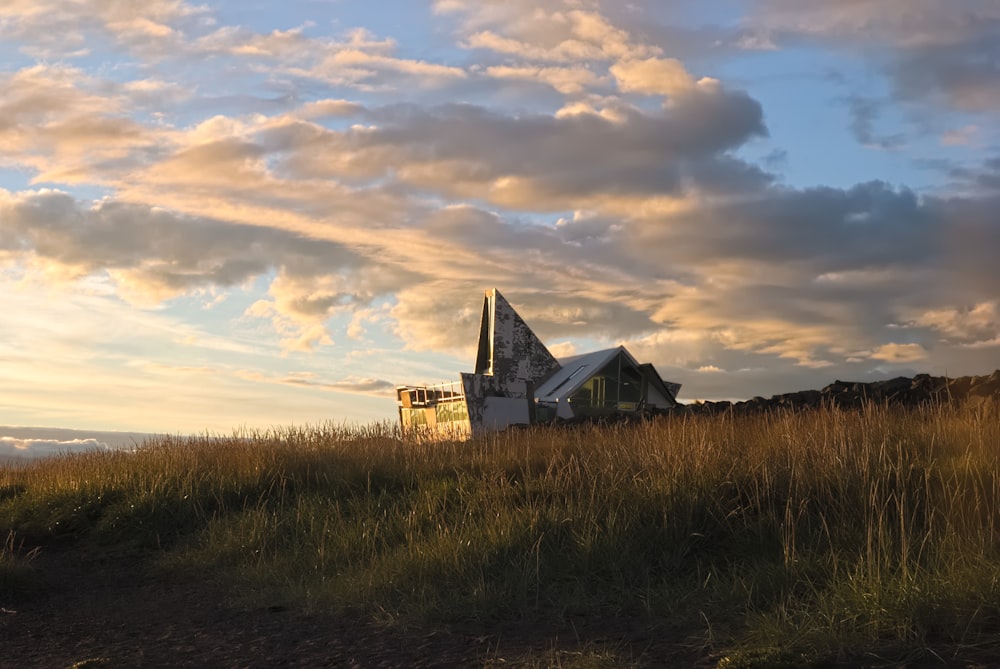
(829, 531)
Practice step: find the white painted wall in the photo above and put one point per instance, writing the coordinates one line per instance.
(656, 399)
(500, 412)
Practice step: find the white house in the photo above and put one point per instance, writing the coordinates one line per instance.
(518, 382)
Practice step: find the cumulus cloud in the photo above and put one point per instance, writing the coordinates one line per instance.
(302, 296)
(653, 76)
(62, 27)
(976, 325)
(809, 276)
(541, 162)
(574, 47)
(814, 275)
(70, 127)
(152, 254)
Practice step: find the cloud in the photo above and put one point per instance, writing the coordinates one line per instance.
(566, 51)
(354, 384)
(282, 45)
(12, 448)
(864, 113)
(830, 229)
(70, 127)
(304, 297)
(810, 276)
(357, 58)
(964, 75)
(363, 68)
(574, 49)
(964, 136)
(899, 353)
(653, 76)
(976, 325)
(57, 28)
(173, 30)
(152, 254)
(903, 23)
(540, 162)
(563, 349)
(982, 179)
(461, 151)
(941, 52)
(566, 80)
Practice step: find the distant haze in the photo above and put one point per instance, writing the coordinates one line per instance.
(27, 443)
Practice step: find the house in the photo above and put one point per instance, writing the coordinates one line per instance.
(517, 381)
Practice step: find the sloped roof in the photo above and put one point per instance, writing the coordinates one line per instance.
(575, 372)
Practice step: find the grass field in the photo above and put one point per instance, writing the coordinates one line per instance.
(797, 537)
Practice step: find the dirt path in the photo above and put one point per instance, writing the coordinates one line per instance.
(117, 611)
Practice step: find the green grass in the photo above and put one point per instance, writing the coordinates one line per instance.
(826, 534)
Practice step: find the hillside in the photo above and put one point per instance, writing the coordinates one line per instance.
(855, 537)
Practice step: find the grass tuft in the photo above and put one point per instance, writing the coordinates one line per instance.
(17, 574)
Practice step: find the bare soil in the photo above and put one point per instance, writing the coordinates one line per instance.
(94, 609)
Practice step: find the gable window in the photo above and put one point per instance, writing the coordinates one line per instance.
(617, 386)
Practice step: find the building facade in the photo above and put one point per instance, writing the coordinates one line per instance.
(517, 381)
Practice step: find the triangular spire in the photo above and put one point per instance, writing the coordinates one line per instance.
(508, 349)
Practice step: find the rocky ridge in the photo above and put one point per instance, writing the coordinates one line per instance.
(968, 392)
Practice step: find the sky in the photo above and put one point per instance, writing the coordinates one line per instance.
(216, 215)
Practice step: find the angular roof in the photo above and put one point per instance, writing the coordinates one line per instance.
(578, 369)
(575, 372)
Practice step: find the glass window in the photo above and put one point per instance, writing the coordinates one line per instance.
(630, 389)
(449, 412)
(618, 385)
(414, 417)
